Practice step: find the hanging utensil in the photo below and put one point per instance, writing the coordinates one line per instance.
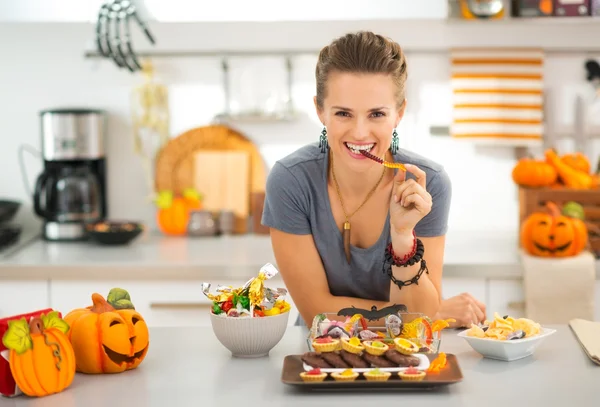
(113, 35)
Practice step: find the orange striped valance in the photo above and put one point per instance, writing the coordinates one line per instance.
(498, 95)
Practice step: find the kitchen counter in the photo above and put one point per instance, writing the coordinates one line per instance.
(152, 255)
(192, 369)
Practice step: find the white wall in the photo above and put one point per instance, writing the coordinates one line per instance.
(42, 66)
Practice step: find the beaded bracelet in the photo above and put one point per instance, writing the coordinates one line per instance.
(392, 260)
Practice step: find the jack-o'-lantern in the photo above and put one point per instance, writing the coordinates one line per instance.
(553, 235)
(109, 336)
(42, 361)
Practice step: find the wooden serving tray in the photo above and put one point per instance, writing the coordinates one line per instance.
(451, 374)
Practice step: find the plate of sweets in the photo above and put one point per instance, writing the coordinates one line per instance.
(372, 348)
(506, 338)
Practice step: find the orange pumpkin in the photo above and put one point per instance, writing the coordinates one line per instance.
(173, 214)
(534, 173)
(109, 336)
(552, 234)
(578, 161)
(41, 359)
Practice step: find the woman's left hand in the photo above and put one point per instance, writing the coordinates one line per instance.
(410, 201)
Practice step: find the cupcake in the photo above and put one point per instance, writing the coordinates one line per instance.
(412, 374)
(376, 348)
(405, 346)
(377, 375)
(347, 375)
(352, 345)
(325, 344)
(314, 375)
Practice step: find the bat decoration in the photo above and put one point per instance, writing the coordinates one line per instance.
(374, 314)
(592, 68)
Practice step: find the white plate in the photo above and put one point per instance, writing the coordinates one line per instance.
(423, 365)
(506, 350)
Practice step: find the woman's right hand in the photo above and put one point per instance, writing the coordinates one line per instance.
(464, 308)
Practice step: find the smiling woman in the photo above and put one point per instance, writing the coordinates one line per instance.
(345, 229)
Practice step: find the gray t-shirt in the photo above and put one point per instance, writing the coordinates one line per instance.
(297, 202)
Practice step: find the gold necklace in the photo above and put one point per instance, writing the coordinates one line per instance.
(346, 232)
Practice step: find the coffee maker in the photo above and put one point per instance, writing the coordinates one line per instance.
(71, 190)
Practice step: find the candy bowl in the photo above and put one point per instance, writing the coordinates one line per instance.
(249, 337)
(505, 338)
(249, 320)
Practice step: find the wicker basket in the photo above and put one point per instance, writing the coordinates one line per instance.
(175, 161)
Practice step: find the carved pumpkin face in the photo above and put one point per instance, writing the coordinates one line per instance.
(105, 339)
(553, 235)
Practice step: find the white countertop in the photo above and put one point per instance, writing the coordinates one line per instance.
(153, 254)
(192, 368)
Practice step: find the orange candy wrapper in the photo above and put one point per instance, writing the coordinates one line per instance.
(438, 363)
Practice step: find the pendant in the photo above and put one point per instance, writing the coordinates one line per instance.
(346, 239)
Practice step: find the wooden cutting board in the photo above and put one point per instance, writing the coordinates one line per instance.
(223, 179)
(588, 335)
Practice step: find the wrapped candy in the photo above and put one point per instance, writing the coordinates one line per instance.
(253, 299)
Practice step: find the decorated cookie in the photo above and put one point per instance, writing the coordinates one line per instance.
(412, 374)
(347, 375)
(377, 375)
(325, 344)
(352, 345)
(110, 336)
(405, 346)
(314, 375)
(376, 348)
(42, 361)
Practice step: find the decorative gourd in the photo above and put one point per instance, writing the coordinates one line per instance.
(534, 173)
(109, 336)
(41, 359)
(174, 212)
(571, 177)
(552, 234)
(578, 161)
(573, 210)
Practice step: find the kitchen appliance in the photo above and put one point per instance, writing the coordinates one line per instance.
(571, 8)
(487, 9)
(533, 8)
(71, 190)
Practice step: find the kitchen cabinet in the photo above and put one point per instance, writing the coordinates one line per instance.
(506, 297)
(22, 296)
(597, 302)
(161, 303)
(185, 11)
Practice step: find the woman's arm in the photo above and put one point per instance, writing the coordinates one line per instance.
(424, 297)
(302, 271)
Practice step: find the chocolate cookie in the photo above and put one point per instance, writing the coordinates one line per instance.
(378, 361)
(335, 360)
(353, 360)
(314, 360)
(401, 360)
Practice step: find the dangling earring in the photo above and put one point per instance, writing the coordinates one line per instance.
(323, 145)
(394, 146)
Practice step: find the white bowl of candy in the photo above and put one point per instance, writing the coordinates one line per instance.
(506, 338)
(251, 320)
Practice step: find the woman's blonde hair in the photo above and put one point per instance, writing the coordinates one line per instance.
(362, 52)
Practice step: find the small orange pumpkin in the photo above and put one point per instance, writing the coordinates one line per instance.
(578, 161)
(173, 214)
(529, 172)
(42, 360)
(552, 234)
(109, 336)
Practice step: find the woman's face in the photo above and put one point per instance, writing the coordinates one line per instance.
(360, 111)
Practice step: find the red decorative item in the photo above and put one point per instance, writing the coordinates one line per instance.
(8, 386)
(398, 261)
